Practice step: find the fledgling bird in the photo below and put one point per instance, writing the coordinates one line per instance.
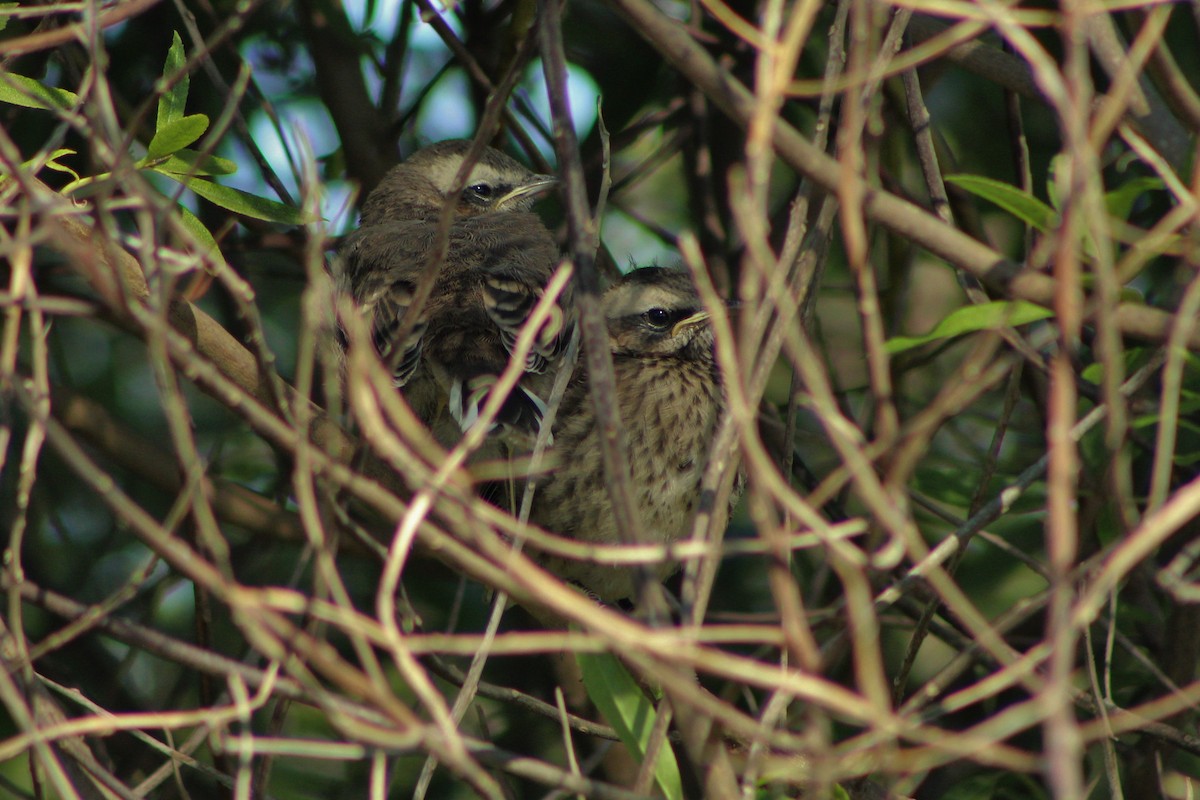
(499, 260)
(670, 399)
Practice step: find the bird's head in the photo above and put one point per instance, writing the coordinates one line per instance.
(656, 311)
(420, 185)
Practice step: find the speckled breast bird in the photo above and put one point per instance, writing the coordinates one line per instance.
(671, 400)
(499, 260)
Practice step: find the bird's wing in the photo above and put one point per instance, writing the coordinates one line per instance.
(387, 321)
(381, 264)
(509, 303)
(513, 280)
(494, 274)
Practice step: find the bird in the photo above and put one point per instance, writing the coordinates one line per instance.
(670, 398)
(500, 256)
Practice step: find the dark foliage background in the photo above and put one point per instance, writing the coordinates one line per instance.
(964, 568)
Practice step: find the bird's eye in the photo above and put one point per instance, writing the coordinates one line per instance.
(658, 317)
(481, 190)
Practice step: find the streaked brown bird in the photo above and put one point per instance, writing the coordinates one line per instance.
(499, 260)
(670, 398)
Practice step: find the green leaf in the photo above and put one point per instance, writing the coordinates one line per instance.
(4, 17)
(175, 136)
(1134, 359)
(1186, 411)
(203, 237)
(241, 202)
(1186, 459)
(26, 92)
(189, 162)
(627, 709)
(1052, 171)
(173, 100)
(49, 163)
(1020, 204)
(969, 319)
(52, 162)
(1120, 200)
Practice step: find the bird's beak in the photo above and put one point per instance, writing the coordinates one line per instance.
(699, 318)
(536, 186)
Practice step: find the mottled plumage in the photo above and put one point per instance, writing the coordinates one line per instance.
(670, 398)
(500, 257)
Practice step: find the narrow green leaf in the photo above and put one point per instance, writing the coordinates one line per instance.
(49, 163)
(53, 163)
(627, 709)
(202, 234)
(969, 319)
(1120, 200)
(1052, 172)
(176, 135)
(1186, 411)
(26, 92)
(241, 202)
(4, 17)
(189, 162)
(173, 100)
(1020, 204)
